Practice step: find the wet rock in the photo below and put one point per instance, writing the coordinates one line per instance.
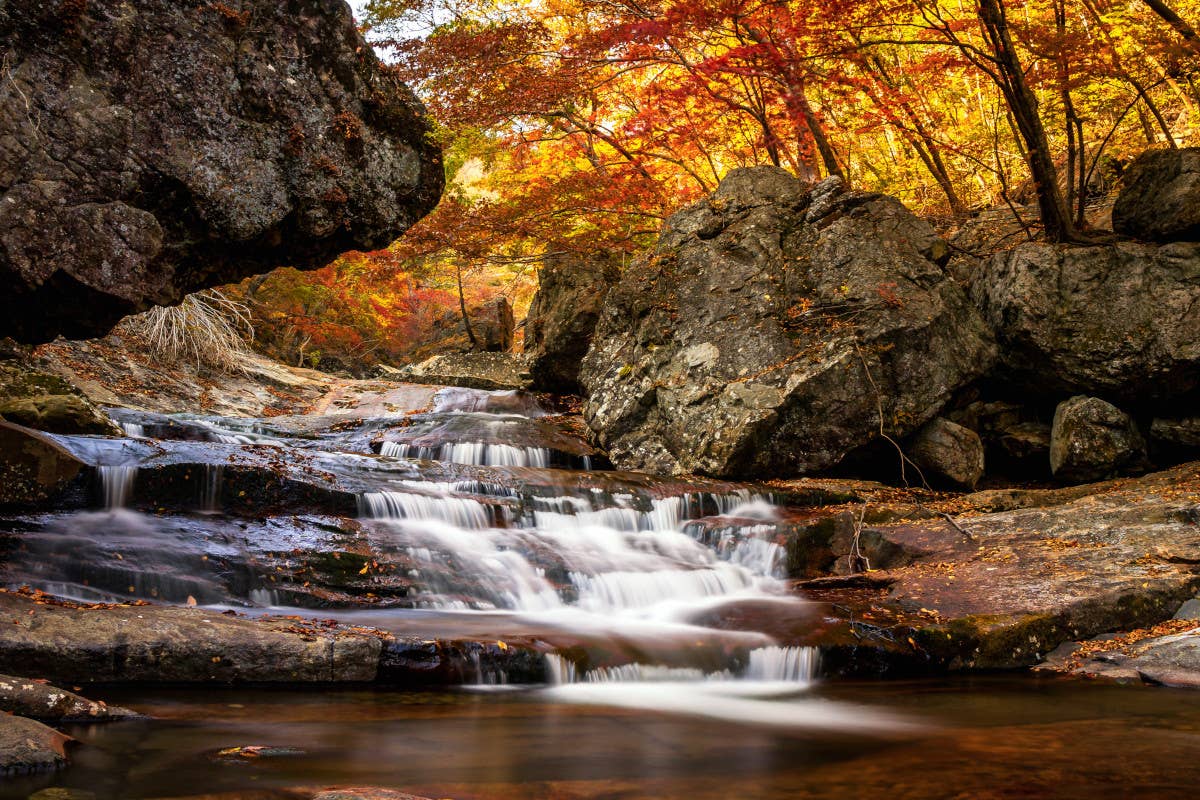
(1093, 440)
(563, 315)
(1119, 557)
(949, 451)
(767, 327)
(33, 467)
(39, 700)
(160, 643)
(28, 747)
(473, 371)
(1113, 320)
(253, 752)
(155, 148)
(46, 402)
(1160, 200)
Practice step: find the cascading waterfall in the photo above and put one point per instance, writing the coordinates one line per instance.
(653, 582)
(116, 484)
(479, 453)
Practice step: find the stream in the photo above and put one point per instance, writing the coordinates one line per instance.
(670, 652)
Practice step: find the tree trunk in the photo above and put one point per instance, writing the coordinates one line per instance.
(462, 307)
(1177, 22)
(1010, 77)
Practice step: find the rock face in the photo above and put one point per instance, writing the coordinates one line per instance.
(773, 326)
(950, 452)
(1161, 197)
(151, 148)
(562, 317)
(1092, 440)
(1114, 320)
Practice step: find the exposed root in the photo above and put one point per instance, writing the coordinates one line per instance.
(207, 329)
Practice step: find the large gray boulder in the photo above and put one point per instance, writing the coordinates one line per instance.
(775, 328)
(563, 315)
(950, 452)
(1116, 320)
(1092, 439)
(1160, 200)
(151, 148)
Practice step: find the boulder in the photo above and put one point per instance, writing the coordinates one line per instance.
(1183, 432)
(1092, 440)
(1160, 200)
(47, 402)
(34, 467)
(472, 370)
(949, 451)
(492, 324)
(28, 747)
(563, 315)
(1116, 320)
(776, 327)
(151, 148)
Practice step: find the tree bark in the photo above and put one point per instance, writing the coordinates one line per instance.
(1056, 216)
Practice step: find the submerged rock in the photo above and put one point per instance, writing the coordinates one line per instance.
(1114, 320)
(153, 148)
(1092, 440)
(563, 315)
(1161, 197)
(775, 328)
(949, 451)
(28, 747)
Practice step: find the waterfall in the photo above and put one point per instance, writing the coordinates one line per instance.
(210, 488)
(116, 484)
(798, 665)
(133, 430)
(460, 511)
(478, 453)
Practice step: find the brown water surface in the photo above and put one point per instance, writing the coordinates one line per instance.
(981, 738)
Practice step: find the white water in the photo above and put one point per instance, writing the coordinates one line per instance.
(210, 489)
(133, 429)
(116, 484)
(479, 453)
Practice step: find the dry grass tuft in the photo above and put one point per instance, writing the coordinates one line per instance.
(207, 329)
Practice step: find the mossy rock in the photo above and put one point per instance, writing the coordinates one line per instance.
(46, 402)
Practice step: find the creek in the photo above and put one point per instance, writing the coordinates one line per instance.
(669, 654)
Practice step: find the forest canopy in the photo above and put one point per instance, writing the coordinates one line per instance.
(580, 125)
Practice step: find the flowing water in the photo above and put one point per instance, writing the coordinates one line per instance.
(658, 606)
